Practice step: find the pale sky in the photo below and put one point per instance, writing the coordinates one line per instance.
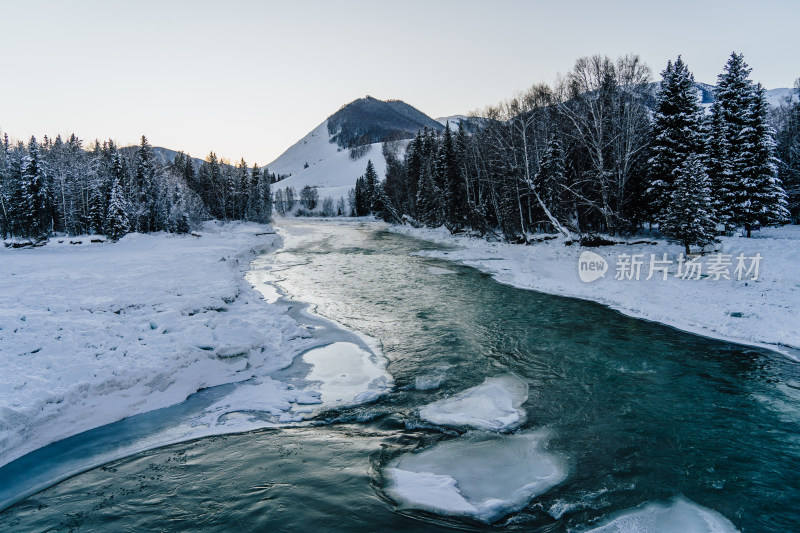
(248, 78)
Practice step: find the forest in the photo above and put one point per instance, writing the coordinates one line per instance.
(57, 186)
(604, 151)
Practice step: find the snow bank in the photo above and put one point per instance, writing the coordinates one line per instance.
(761, 312)
(495, 404)
(96, 332)
(680, 515)
(484, 476)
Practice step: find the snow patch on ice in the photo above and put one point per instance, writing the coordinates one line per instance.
(495, 404)
(347, 374)
(484, 476)
(680, 515)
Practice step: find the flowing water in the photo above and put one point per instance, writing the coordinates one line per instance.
(638, 412)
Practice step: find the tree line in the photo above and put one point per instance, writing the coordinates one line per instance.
(57, 186)
(601, 151)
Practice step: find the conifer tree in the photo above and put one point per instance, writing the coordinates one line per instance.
(688, 218)
(35, 197)
(145, 188)
(361, 198)
(449, 182)
(676, 134)
(788, 152)
(429, 205)
(741, 150)
(370, 187)
(727, 150)
(759, 196)
(117, 223)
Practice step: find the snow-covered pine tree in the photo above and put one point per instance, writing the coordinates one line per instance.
(371, 186)
(760, 197)
(728, 147)
(265, 194)
(360, 198)
(145, 188)
(677, 132)
(429, 204)
(449, 182)
(688, 218)
(117, 223)
(35, 196)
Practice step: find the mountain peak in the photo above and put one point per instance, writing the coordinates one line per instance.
(369, 120)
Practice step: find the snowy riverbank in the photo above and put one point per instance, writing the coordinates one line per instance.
(760, 312)
(91, 333)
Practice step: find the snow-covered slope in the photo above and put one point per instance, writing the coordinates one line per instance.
(322, 158)
(330, 167)
(452, 119)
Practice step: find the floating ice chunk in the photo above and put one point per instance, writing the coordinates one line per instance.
(436, 271)
(494, 405)
(679, 515)
(485, 476)
(347, 374)
(428, 382)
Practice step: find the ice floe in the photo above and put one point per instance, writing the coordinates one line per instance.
(495, 404)
(481, 475)
(679, 515)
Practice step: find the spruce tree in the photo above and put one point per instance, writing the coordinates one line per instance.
(448, 181)
(688, 218)
(371, 187)
(35, 197)
(676, 134)
(117, 223)
(361, 198)
(429, 205)
(760, 197)
(729, 148)
(744, 168)
(145, 188)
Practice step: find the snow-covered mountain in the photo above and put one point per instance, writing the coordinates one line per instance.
(335, 153)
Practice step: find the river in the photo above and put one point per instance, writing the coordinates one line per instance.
(635, 412)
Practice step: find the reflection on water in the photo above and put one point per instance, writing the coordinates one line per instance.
(641, 412)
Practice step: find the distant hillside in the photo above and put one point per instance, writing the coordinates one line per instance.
(162, 155)
(368, 120)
